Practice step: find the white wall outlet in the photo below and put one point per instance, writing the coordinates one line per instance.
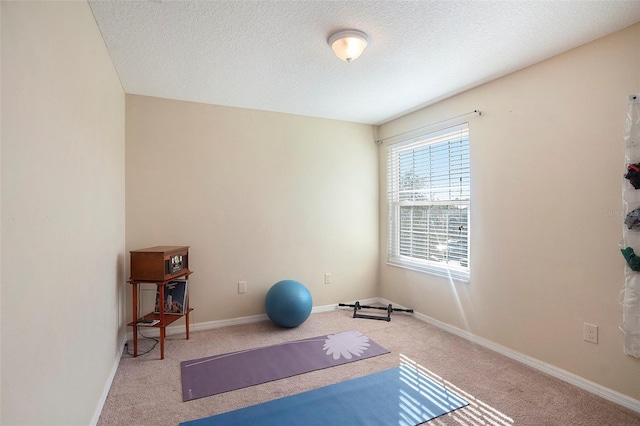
(327, 278)
(590, 333)
(242, 287)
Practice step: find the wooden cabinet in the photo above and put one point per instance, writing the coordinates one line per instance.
(160, 263)
(158, 266)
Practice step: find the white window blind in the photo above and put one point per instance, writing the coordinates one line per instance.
(428, 184)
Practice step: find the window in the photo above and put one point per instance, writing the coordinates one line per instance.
(428, 184)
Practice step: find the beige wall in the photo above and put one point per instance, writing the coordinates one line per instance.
(258, 196)
(547, 163)
(62, 214)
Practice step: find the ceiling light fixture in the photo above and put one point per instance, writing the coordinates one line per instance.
(348, 45)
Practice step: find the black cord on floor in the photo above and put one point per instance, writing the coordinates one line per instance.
(126, 345)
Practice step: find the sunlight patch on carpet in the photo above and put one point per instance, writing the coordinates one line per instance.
(477, 413)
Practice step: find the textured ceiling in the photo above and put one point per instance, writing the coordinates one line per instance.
(273, 55)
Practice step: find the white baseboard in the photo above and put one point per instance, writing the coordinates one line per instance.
(201, 326)
(107, 386)
(573, 379)
(210, 325)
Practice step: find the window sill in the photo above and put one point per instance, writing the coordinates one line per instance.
(440, 271)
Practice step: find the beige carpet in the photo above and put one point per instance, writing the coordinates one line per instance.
(147, 390)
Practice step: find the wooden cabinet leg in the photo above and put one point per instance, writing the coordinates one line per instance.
(135, 319)
(162, 328)
(186, 321)
(186, 318)
(162, 335)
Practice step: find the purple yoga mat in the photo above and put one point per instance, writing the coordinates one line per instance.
(222, 373)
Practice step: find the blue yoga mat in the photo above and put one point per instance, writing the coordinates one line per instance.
(399, 396)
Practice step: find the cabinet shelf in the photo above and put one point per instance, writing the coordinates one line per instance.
(168, 318)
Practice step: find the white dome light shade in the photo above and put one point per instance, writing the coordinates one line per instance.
(348, 45)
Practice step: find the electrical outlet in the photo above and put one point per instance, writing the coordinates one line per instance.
(590, 333)
(327, 278)
(242, 287)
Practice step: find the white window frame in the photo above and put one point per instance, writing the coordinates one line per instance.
(431, 251)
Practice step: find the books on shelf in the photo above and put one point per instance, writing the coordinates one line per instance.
(175, 297)
(147, 322)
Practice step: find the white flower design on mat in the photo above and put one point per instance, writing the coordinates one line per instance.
(345, 344)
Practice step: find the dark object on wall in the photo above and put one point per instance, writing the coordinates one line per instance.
(633, 219)
(389, 309)
(632, 259)
(633, 174)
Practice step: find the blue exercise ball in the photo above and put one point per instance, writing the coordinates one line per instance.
(288, 303)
